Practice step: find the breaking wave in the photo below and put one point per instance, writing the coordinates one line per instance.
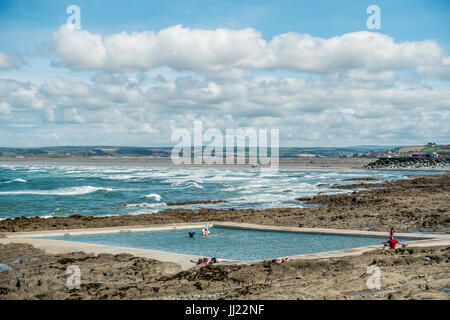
(71, 191)
(155, 196)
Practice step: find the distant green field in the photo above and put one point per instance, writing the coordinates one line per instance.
(433, 149)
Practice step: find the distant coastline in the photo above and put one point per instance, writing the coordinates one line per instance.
(165, 152)
(284, 163)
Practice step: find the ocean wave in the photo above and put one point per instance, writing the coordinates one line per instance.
(15, 180)
(183, 184)
(47, 216)
(194, 185)
(237, 188)
(155, 196)
(71, 191)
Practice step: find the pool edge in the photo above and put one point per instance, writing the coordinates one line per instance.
(184, 260)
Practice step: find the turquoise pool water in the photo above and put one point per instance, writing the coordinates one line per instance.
(236, 244)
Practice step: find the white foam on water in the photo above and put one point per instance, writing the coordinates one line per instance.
(184, 184)
(47, 216)
(237, 188)
(144, 210)
(16, 180)
(71, 191)
(155, 196)
(220, 178)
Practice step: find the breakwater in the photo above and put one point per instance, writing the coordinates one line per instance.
(410, 163)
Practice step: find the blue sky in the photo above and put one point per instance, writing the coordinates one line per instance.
(30, 31)
(27, 20)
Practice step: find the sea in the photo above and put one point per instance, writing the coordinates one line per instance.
(62, 191)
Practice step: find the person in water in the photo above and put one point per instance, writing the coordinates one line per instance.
(206, 230)
(391, 233)
(191, 234)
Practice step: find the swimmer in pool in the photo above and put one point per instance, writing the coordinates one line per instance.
(391, 233)
(191, 234)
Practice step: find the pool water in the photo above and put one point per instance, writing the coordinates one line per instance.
(227, 243)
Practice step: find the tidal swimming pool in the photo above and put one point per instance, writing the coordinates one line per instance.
(228, 243)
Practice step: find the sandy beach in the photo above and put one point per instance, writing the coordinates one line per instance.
(284, 163)
(417, 204)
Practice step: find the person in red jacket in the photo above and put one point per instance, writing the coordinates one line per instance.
(391, 243)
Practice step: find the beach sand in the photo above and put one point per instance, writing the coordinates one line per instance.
(285, 163)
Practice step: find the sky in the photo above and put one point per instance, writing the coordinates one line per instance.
(135, 71)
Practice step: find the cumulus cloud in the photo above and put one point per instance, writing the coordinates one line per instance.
(11, 60)
(116, 109)
(5, 109)
(21, 95)
(226, 53)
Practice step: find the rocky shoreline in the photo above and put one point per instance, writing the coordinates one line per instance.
(413, 273)
(410, 163)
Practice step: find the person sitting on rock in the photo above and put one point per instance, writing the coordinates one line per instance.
(277, 260)
(207, 260)
(391, 243)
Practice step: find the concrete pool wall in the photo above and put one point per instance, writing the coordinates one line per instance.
(184, 260)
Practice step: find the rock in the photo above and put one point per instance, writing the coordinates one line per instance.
(396, 163)
(298, 277)
(4, 267)
(303, 198)
(182, 203)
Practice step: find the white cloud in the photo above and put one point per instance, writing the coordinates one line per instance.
(225, 53)
(114, 109)
(5, 109)
(11, 60)
(144, 128)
